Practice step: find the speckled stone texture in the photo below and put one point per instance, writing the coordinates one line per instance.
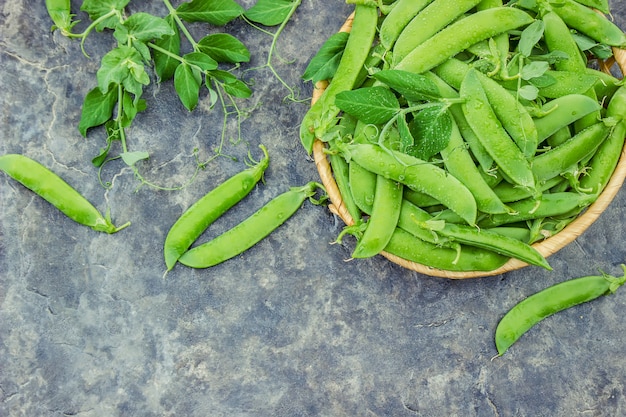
(89, 326)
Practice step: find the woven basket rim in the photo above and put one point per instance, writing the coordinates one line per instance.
(545, 247)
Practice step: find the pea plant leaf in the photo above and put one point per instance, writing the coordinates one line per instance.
(97, 109)
(530, 36)
(238, 89)
(375, 105)
(200, 60)
(122, 65)
(97, 9)
(224, 48)
(131, 158)
(269, 12)
(324, 63)
(406, 138)
(142, 27)
(431, 129)
(414, 87)
(164, 64)
(215, 12)
(187, 84)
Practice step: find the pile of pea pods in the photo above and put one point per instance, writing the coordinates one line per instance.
(534, 130)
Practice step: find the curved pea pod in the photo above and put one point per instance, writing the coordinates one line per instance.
(562, 112)
(465, 258)
(383, 219)
(583, 144)
(432, 19)
(416, 174)
(605, 159)
(250, 231)
(322, 115)
(588, 22)
(194, 221)
(492, 135)
(415, 221)
(460, 35)
(56, 191)
(549, 205)
(523, 316)
(395, 22)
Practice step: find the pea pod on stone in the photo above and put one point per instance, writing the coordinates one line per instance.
(194, 221)
(56, 191)
(545, 303)
(250, 231)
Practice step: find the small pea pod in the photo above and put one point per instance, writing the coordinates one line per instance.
(383, 219)
(547, 302)
(601, 5)
(250, 231)
(56, 191)
(209, 208)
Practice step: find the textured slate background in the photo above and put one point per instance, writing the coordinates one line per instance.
(89, 327)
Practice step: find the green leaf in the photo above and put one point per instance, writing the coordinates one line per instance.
(200, 60)
(97, 109)
(528, 92)
(223, 76)
(375, 105)
(131, 108)
(99, 8)
(324, 64)
(530, 36)
(237, 89)
(164, 64)
(187, 85)
(414, 87)
(131, 158)
(534, 69)
(269, 12)
(216, 12)
(223, 47)
(142, 27)
(118, 65)
(431, 128)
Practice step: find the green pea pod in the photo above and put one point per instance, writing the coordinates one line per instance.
(550, 301)
(605, 159)
(435, 17)
(249, 232)
(383, 219)
(322, 115)
(59, 11)
(416, 174)
(562, 112)
(56, 191)
(483, 120)
(194, 221)
(557, 160)
(460, 35)
(601, 5)
(401, 14)
(587, 21)
(465, 258)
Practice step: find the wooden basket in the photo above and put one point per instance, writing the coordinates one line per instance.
(546, 247)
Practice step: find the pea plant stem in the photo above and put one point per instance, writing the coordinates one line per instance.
(181, 25)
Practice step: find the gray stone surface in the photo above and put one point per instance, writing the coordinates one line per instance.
(89, 327)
